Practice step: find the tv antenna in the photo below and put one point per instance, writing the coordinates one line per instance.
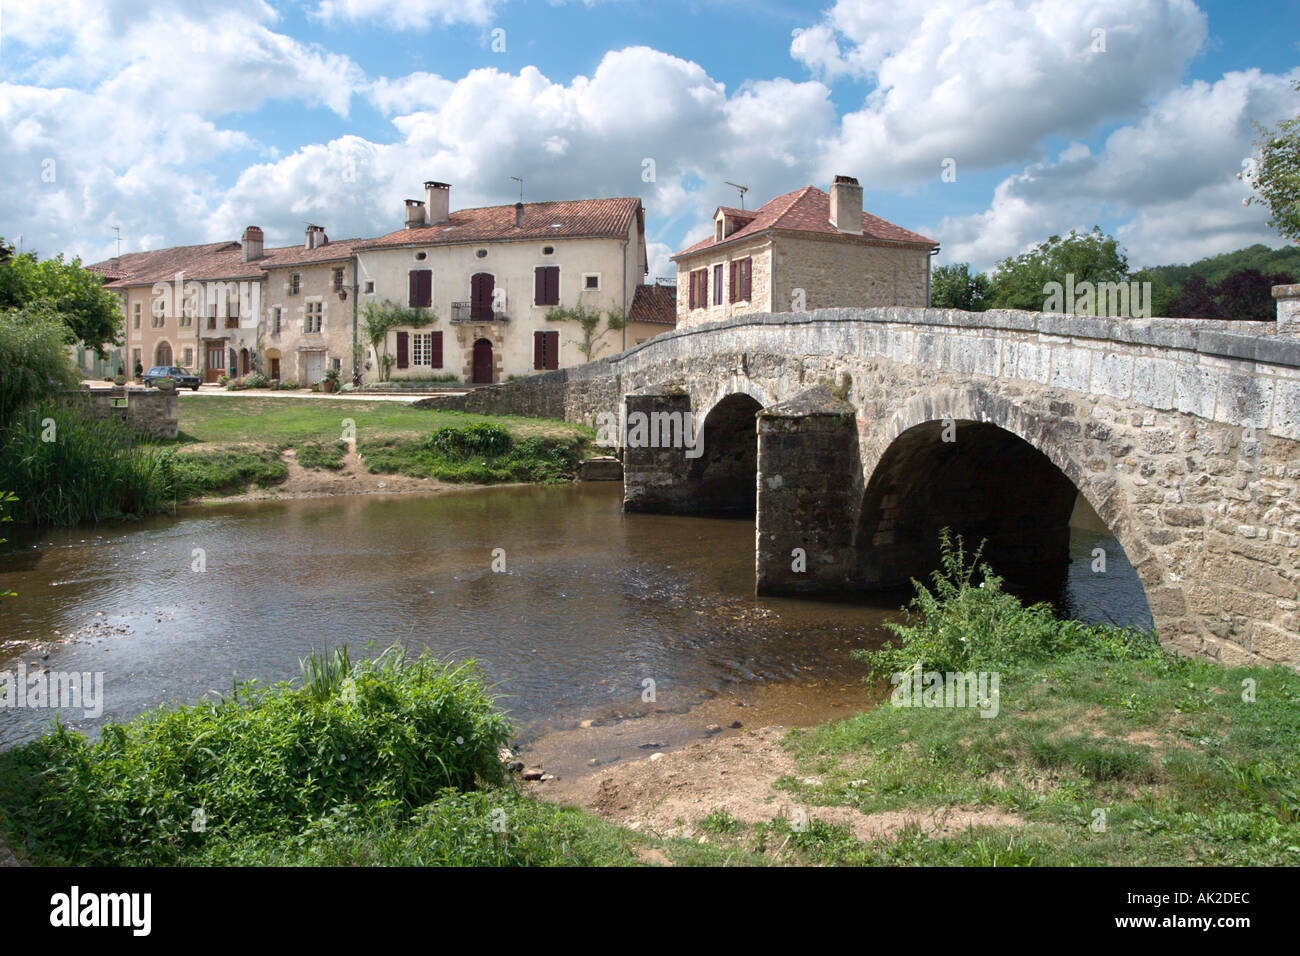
(117, 231)
(521, 187)
(743, 190)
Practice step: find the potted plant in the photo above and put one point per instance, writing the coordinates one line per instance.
(165, 384)
(139, 372)
(330, 382)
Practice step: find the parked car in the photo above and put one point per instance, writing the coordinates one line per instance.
(183, 377)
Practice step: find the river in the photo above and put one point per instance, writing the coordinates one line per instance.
(590, 605)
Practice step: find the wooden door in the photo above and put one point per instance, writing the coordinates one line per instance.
(481, 287)
(483, 362)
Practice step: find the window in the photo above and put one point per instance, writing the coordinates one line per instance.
(187, 357)
(314, 317)
(294, 282)
(546, 285)
(591, 281)
(742, 271)
(548, 250)
(717, 231)
(420, 288)
(482, 253)
(370, 287)
(277, 320)
(136, 316)
(338, 280)
(421, 256)
(717, 284)
(699, 295)
(426, 349)
(546, 350)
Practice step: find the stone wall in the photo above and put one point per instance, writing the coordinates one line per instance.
(151, 412)
(834, 273)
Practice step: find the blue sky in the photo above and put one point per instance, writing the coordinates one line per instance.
(185, 121)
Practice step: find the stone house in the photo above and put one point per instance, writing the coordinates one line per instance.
(805, 250)
(159, 330)
(309, 308)
(654, 310)
(489, 276)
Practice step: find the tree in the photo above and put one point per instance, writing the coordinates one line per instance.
(1163, 294)
(956, 287)
(382, 317)
(588, 320)
(1195, 300)
(90, 312)
(34, 362)
(1276, 178)
(1018, 281)
(1247, 295)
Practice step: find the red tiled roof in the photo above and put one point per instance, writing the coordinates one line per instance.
(806, 210)
(157, 265)
(580, 218)
(656, 304)
(301, 255)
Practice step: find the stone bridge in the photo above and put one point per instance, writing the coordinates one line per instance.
(865, 431)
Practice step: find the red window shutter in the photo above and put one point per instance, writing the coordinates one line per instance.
(691, 304)
(552, 349)
(539, 350)
(435, 349)
(413, 287)
(553, 286)
(747, 275)
(425, 288)
(733, 289)
(403, 350)
(539, 287)
(704, 287)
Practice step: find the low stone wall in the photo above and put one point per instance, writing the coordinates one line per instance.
(152, 412)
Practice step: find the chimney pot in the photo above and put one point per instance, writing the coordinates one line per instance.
(251, 244)
(846, 205)
(437, 201)
(414, 213)
(519, 215)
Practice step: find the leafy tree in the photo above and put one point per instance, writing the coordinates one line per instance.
(380, 318)
(1195, 300)
(1163, 294)
(34, 360)
(90, 312)
(589, 320)
(1276, 180)
(956, 287)
(1018, 281)
(1248, 295)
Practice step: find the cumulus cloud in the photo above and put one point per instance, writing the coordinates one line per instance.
(407, 14)
(1170, 176)
(985, 81)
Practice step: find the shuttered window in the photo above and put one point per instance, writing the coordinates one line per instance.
(732, 285)
(421, 289)
(435, 350)
(546, 285)
(403, 350)
(426, 349)
(699, 289)
(745, 274)
(546, 350)
(717, 284)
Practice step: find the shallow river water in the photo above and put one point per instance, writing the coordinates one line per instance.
(591, 603)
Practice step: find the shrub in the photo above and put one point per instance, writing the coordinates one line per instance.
(479, 439)
(392, 733)
(962, 625)
(90, 470)
(256, 380)
(34, 362)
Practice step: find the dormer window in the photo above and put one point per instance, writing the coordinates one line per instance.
(717, 229)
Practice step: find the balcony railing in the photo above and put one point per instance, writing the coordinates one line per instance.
(464, 312)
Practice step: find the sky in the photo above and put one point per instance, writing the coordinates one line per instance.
(987, 125)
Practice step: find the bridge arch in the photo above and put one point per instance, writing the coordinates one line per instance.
(723, 477)
(988, 468)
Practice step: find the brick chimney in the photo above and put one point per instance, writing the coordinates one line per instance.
(315, 237)
(251, 244)
(414, 213)
(437, 202)
(519, 215)
(846, 205)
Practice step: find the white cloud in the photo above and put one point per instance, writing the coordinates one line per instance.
(985, 81)
(1170, 176)
(407, 14)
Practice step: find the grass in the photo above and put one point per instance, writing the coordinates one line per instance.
(214, 419)
(318, 455)
(535, 459)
